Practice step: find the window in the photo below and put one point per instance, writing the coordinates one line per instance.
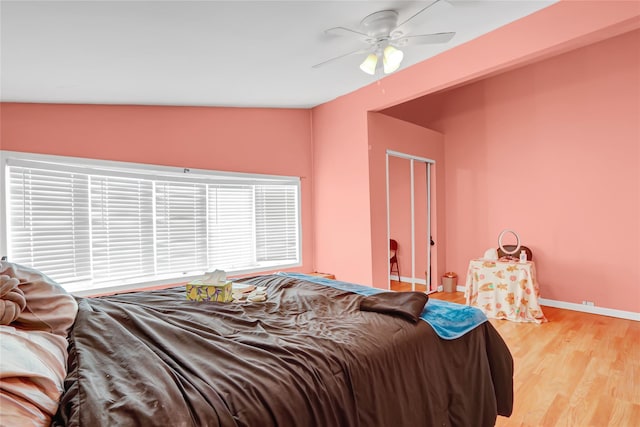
(92, 224)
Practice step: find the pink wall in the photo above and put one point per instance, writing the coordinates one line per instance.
(269, 141)
(552, 150)
(557, 29)
(343, 206)
(341, 196)
(388, 133)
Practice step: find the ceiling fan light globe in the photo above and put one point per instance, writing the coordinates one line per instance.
(392, 55)
(391, 59)
(369, 64)
(389, 68)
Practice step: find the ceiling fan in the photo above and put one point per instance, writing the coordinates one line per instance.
(384, 36)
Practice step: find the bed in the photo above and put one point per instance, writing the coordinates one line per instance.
(315, 353)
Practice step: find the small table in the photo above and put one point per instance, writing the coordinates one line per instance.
(504, 290)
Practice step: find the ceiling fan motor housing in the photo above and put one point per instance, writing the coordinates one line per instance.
(379, 25)
(380, 30)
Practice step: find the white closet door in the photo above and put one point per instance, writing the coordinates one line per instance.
(409, 217)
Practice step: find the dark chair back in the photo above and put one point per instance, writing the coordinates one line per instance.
(517, 255)
(393, 257)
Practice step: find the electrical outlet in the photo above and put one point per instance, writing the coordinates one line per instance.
(589, 303)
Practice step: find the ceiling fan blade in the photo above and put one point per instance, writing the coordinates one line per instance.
(422, 11)
(344, 31)
(423, 39)
(355, 52)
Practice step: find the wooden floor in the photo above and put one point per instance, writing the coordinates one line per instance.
(405, 287)
(578, 369)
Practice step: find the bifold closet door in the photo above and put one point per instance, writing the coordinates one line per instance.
(408, 217)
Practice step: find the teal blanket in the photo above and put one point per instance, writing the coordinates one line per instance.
(448, 320)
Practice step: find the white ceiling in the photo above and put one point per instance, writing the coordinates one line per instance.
(211, 53)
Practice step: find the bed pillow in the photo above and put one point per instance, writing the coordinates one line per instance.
(33, 365)
(36, 315)
(12, 300)
(408, 305)
(46, 306)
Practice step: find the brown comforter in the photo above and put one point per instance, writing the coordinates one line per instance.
(306, 357)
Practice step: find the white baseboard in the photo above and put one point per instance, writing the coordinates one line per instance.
(408, 280)
(621, 314)
(629, 315)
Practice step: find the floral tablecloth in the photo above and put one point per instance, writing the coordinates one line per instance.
(504, 290)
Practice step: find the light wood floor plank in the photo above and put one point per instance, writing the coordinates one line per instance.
(577, 370)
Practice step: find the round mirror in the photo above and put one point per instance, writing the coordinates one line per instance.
(517, 248)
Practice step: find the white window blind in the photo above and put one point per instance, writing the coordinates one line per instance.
(181, 227)
(96, 224)
(231, 226)
(49, 214)
(276, 230)
(122, 243)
